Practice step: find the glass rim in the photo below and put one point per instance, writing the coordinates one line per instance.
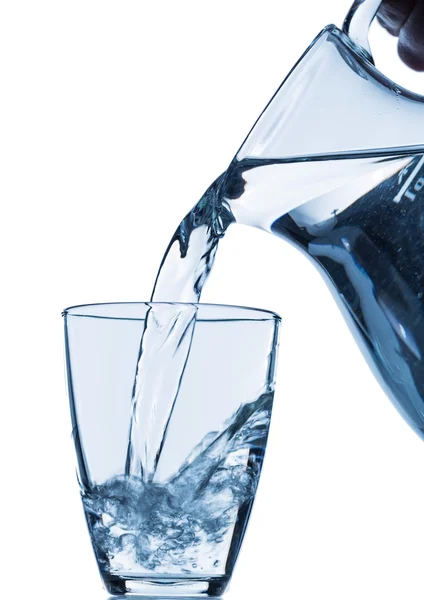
(231, 312)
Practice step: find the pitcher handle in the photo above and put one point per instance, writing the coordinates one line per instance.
(358, 21)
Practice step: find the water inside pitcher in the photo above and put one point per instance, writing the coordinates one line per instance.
(335, 164)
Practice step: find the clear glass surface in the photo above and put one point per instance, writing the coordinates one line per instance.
(179, 528)
(335, 165)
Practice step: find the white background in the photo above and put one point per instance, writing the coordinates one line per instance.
(114, 118)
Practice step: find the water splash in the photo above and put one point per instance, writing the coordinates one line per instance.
(185, 524)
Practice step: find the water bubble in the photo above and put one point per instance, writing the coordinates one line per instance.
(174, 532)
(127, 541)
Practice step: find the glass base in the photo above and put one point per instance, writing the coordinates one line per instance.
(166, 586)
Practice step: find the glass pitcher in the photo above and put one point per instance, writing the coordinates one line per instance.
(335, 165)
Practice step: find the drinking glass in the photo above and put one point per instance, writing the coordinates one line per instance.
(178, 528)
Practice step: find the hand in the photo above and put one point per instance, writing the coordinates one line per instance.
(405, 19)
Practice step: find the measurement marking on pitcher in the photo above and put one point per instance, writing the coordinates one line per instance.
(405, 191)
